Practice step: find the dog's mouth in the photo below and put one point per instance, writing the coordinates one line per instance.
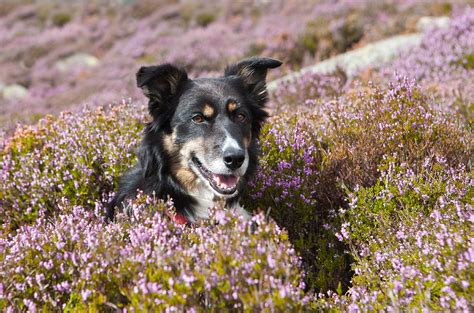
(223, 184)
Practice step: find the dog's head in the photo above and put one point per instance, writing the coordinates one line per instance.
(207, 128)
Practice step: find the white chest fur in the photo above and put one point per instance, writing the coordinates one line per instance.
(205, 200)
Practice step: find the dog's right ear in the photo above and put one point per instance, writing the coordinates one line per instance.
(159, 83)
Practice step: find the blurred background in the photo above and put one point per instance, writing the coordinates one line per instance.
(62, 55)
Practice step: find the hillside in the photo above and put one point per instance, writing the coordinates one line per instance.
(364, 192)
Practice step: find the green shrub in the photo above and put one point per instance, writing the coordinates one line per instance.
(74, 156)
(310, 159)
(319, 40)
(61, 18)
(411, 236)
(147, 263)
(61, 170)
(205, 18)
(296, 93)
(467, 61)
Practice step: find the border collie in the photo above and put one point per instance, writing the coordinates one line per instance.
(201, 145)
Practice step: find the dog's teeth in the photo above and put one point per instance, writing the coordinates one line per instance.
(217, 179)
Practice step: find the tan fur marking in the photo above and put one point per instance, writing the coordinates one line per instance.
(231, 106)
(247, 141)
(181, 170)
(168, 145)
(186, 177)
(208, 110)
(179, 166)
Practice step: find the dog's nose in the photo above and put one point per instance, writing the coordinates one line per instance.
(234, 158)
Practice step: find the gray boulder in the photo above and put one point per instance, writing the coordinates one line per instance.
(76, 60)
(354, 61)
(14, 92)
(428, 22)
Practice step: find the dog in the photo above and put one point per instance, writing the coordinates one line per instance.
(201, 145)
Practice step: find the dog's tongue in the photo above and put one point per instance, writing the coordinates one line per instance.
(225, 181)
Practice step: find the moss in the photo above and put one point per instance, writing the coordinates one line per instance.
(147, 58)
(442, 8)
(468, 61)
(61, 18)
(319, 40)
(205, 18)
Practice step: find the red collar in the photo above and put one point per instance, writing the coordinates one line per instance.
(178, 218)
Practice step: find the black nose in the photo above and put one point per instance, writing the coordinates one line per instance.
(234, 158)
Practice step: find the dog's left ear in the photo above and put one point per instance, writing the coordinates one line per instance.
(159, 83)
(253, 72)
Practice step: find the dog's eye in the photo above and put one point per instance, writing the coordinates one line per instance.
(240, 118)
(198, 119)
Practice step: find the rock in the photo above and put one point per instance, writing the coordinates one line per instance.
(428, 22)
(77, 60)
(354, 61)
(14, 92)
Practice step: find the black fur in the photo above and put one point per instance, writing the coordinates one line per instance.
(172, 97)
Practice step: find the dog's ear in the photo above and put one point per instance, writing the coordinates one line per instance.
(159, 83)
(253, 72)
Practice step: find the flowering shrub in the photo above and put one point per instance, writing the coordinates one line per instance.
(76, 156)
(291, 182)
(443, 52)
(309, 160)
(74, 261)
(37, 38)
(444, 64)
(372, 184)
(310, 86)
(411, 236)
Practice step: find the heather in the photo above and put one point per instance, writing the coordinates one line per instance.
(363, 196)
(443, 64)
(411, 237)
(312, 158)
(75, 262)
(349, 197)
(58, 55)
(310, 86)
(74, 156)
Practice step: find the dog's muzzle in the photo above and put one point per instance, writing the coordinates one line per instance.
(234, 158)
(222, 183)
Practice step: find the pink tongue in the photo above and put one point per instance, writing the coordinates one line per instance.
(225, 181)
